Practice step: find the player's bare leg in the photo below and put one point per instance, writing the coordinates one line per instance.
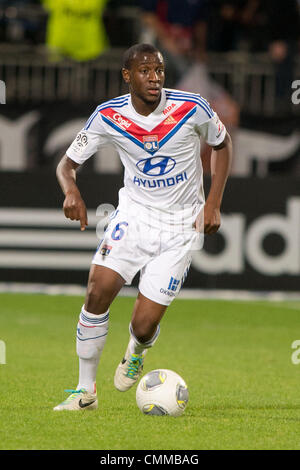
(103, 286)
(92, 328)
(144, 331)
(145, 318)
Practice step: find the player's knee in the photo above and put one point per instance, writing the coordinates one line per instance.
(143, 331)
(96, 305)
(97, 301)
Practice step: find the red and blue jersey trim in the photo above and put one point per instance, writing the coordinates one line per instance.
(118, 102)
(192, 97)
(164, 131)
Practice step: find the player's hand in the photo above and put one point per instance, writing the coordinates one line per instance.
(208, 221)
(75, 209)
(212, 218)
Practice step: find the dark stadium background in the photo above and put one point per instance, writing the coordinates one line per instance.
(48, 98)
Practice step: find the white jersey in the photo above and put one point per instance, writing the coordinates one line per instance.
(160, 152)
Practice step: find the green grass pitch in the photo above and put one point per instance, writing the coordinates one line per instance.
(234, 355)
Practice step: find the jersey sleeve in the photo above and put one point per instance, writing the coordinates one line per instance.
(88, 140)
(209, 125)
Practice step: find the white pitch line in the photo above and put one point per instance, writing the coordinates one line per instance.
(48, 239)
(41, 217)
(45, 260)
(126, 291)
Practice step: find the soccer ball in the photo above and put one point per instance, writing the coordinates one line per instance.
(162, 392)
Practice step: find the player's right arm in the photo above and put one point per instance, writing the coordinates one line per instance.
(85, 144)
(74, 206)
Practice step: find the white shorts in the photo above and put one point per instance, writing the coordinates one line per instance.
(163, 257)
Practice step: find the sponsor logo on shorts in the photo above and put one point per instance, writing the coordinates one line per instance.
(172, 287)
(160, 183)
(167, 292)
(105, 250)
(151, 142)
(173, 284)
(156, 166)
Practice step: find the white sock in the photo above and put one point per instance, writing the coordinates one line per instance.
(91, 337)
(136, 347)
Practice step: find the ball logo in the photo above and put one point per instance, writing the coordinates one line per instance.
(156, 166)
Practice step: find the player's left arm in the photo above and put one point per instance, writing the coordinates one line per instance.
(221, 158)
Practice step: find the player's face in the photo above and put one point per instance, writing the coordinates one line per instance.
(146, 77)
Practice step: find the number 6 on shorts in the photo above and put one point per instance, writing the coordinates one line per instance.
(118, 232)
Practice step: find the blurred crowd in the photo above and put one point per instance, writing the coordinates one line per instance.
(186, 31)
(186, 28)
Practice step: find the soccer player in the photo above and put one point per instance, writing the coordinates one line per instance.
(161, 213)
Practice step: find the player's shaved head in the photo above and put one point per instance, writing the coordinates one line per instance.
(136, 50)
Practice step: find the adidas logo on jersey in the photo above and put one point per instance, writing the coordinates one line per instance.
(169, 120)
